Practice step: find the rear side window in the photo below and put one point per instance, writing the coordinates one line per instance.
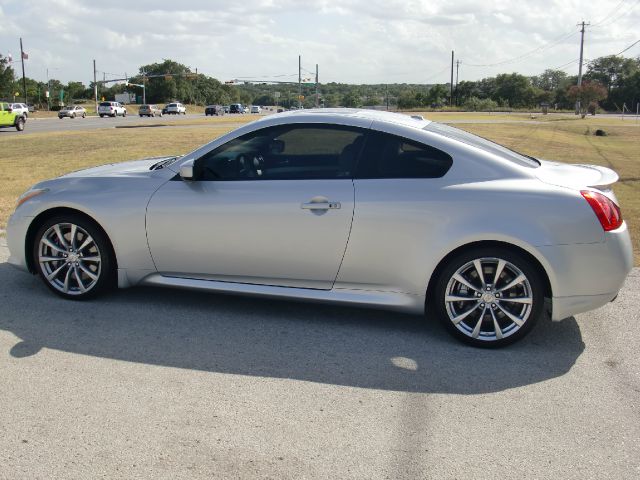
(390, 156)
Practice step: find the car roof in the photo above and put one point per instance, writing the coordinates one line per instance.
(336, 114)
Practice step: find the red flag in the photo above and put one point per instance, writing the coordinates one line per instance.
(25, 56)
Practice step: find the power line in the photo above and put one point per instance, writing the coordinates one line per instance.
(556, 41)
(605, 18)
(621, 52)
(618, 17)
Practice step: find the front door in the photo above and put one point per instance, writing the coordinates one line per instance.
(273, 207)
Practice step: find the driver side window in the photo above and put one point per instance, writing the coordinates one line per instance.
(288, 152)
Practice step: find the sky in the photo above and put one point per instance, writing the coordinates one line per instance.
(352, 41)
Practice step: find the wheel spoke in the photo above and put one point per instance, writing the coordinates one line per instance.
(519, 322)
(457, 298)
(53, 246)
(462, 316)
(499, 268)
(476, 329)
(79, 280)
(90, 259)
(478, 266)
(60, 236)
(74, 230)
(459, 278)
(527, 300)
(85, 244)
(53, 274)
(496, 325)
(50, 259)
(66, 279)
(89, 273)
(519, 279)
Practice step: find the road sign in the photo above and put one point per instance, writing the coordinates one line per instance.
(276, 94)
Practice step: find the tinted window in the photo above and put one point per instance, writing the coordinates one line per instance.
(285, 153)
(105, 104)
(389, 156)
(482, 143)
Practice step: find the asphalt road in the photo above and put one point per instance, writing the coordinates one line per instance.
(40, 125)
(170, 384)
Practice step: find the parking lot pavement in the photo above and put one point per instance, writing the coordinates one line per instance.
(146, 383)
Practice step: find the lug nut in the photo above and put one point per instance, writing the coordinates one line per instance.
(493, 305)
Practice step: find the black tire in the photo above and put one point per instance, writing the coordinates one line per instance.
(479, 313)
(124, 114)
(101, 115)
(84, 114)
(141, 115)
(20, 124)
(73, 115)
(104, 269)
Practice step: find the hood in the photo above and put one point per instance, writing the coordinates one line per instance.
(576, 176)
(126, 169)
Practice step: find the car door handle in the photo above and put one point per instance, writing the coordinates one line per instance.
(320, 205)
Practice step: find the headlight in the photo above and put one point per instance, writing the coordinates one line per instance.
(29, 195)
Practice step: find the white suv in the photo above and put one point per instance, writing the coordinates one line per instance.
(176, 109)
(20, 109)
(111, 109)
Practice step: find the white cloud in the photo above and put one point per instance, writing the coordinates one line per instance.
(367, 41)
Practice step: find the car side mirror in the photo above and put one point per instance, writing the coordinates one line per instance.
(187, 171)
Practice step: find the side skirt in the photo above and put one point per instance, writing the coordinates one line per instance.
(400, 302)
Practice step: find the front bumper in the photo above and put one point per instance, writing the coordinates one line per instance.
(16, 234)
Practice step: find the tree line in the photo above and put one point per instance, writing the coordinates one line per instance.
(609, 82)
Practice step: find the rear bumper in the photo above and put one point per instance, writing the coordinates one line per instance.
(585, 277)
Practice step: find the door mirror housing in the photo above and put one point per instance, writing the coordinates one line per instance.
(187, 171)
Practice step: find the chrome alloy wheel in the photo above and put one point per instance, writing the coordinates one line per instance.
(488, 299)
(69, 259)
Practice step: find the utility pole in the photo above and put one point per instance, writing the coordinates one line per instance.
(317, 94)
(457, 72)
(48, 91)
(95, 86)
(299, 80)
(386, 91)
(24, 79)
(582, 25)
(451, 85)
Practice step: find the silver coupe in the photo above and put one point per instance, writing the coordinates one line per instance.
(351, 206)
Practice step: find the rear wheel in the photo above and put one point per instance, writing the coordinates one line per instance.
(489, 297)
(20, 124)
(73, 115)
(73, 257)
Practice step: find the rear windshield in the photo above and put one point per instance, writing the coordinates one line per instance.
(173, 105)
(105, 104)
(483, 144)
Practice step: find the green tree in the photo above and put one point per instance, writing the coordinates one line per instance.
(7, 78)
(587, 93)
(515, 89)
(351, 100)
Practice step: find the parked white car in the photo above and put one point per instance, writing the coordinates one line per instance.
(176, 108)
(20, 108)
(111, 109)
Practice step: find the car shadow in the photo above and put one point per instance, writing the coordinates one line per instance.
(277, 339)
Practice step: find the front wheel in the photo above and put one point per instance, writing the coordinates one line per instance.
(72, 257)
(124, 114)
(489, 297)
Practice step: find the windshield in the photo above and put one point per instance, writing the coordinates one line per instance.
(105, 104)
(483, 144)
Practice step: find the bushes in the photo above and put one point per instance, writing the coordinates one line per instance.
(476, 104)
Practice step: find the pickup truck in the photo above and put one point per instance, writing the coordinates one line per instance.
(9, 118)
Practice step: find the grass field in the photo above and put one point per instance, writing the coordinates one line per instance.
(26, 159)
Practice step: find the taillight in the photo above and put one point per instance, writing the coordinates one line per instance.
(608, 213)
